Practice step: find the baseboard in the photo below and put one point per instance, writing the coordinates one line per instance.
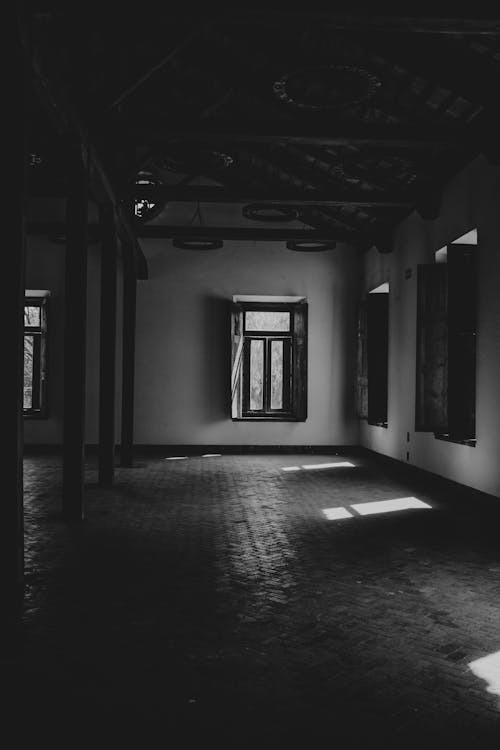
(417, 475)
(190, 450)
(193, 450)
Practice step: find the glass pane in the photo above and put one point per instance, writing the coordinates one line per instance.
(28, 373)
(276, 374)
(256, 320)
(32, 316)
(256, 374)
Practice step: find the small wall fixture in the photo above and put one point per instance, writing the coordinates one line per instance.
(310, 246)
(196, 244)
(266, 212)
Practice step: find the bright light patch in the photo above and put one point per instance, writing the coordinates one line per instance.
(333, 514)
(388, 506)
(211, 455)
(327, 466)
(175, 458)
(290, 468)
(382, 289)
(488, 669)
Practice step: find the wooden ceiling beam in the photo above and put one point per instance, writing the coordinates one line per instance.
(282, 196)
(315, 133)
(53, 229)
(388, 24)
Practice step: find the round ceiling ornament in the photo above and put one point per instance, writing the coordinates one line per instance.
(311, 246)
(195, 243)
(269, 213)
(326, 87)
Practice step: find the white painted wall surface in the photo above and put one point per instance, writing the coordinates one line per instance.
(183, 342)
(471, 200)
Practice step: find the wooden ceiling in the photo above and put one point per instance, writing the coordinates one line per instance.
(342, 124)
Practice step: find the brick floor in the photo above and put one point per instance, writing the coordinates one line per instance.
(210, 600)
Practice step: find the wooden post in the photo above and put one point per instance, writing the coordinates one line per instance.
(128, 360)
(108, 347)
(75, 333)
(12, 306)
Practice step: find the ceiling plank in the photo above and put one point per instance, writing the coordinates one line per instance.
(67, 121)
(181, 44)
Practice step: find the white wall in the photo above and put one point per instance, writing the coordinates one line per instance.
(183, 342)
(471, 200)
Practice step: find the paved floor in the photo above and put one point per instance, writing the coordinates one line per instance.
(211, 600)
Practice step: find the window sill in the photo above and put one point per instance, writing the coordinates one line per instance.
(471, 442)
(379, 424)
(267, 419)
(35, 415)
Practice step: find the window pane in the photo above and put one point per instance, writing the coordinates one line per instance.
(28, 373)
(256, 320)
(32, 316)
(276, 374)
(256, 374)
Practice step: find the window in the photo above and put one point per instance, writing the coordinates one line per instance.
(373, 356)
(35, 356)
(446, 343)
(269, 360)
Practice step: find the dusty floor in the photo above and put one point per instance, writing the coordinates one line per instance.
(210, 600)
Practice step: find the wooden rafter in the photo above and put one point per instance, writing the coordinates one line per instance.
(282, 196)
(315, 132)
(68, 123)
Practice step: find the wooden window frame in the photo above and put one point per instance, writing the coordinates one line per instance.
(294, 363)
(373, 359)
(446, 347)
(39, 408)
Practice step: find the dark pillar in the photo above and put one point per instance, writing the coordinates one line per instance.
(128, 361)
(75, 334)
(12, 306)
(108, 347)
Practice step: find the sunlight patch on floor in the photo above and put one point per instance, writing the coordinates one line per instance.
(334, 465)
(333, 514)
(388, 506)
(488, 669)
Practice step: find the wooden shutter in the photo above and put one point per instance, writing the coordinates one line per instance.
(299, 365)
(236, 361)
(362, 365)
(431, 406)
(377, 325)
(462, 304)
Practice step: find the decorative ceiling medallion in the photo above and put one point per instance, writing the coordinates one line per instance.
(144, 208)
(266, 212)
(326, 87)
(196, 244)
(310, 246)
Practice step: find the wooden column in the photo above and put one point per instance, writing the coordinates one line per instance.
(75, 334)
(108, 347)
(12, 307)
(128, 360)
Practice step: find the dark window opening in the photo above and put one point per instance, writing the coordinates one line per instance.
(35, 357)
(269, 361)
(446, 346)
(373, 357)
